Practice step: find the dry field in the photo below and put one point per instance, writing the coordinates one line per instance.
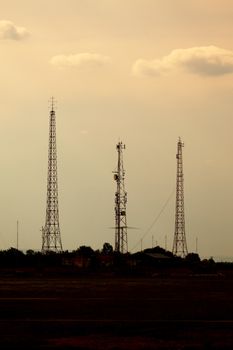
(109, 312)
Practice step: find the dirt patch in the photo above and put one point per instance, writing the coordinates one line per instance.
(98, 312)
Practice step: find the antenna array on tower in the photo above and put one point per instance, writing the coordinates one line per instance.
(121, 240)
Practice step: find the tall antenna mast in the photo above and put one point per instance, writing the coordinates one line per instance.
(179, 243)
(51, 236)
(121, 241)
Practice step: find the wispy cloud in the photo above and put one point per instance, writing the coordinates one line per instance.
(203, 60)
(80, 60)
(8, 30)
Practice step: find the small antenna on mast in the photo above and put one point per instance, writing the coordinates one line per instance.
(52, 104)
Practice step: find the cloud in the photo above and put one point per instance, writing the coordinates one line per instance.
(80, 60)
(8, 30)
(203, 60)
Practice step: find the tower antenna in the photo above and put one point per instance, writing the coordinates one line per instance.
(51, 236)
(179, 243)
(121, 240)
(52, 103)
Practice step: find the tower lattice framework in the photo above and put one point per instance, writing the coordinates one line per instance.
(179, 243)
(51, 236)
(121, 240)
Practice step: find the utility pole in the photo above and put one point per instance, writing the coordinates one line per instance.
(179, 243)
(51, 236)
(121, 240)
(196, 245)
(17, 236)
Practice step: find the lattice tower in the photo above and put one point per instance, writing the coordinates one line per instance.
(121, 240)
(51, 236)
(179, 243)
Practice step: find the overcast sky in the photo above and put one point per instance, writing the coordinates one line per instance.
(141, 71)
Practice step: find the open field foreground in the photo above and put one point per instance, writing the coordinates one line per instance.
(109, 312)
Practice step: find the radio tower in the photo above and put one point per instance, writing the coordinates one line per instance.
(121, 241)
(51, 236)
(179, 243)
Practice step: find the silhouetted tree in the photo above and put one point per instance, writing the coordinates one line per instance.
(85, 251)
(107, 249)
(30, 252)
(192, 258)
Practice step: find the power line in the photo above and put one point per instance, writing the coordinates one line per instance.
(156, 219)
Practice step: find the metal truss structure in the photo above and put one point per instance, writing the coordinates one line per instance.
(121, 240)
(179, 243)
(51, 236)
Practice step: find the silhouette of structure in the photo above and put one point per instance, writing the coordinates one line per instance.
(121, 240)
(179, 243)
(51, 236)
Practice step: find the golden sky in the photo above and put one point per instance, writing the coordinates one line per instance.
(142, 71)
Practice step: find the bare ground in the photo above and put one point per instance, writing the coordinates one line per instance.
(110, 312)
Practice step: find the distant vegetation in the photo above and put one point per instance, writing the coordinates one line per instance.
(85, 260)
